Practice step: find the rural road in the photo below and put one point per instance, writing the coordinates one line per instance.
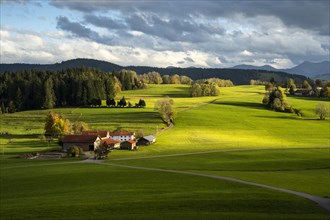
(322, 202)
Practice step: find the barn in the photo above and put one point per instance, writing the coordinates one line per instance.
(84, 142)
(146, 140)
(128, 145)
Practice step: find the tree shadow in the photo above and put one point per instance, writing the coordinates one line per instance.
(310, 98)
(289, 117)
(243, 104)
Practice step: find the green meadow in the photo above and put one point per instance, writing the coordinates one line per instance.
(230, 135)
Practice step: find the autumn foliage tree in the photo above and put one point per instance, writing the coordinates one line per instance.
(56, 126)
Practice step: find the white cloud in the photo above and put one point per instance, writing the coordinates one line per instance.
(246, 53)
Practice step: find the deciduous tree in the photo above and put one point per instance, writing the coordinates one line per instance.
(166, 110)
(322, 110)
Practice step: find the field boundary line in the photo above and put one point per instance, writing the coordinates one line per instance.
(41, 165)
(322, 202)
(212, 151)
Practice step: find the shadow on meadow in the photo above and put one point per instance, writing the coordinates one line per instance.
(243, 104)
(179, 93)
(310, 98)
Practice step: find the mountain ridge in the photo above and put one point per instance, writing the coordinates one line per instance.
(309, 69)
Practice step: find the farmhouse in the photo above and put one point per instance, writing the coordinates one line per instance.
(128, 145)
(122, 135)
(102, 134)
(110, 143)
(85, 142)
(146, 140)
(304, 92)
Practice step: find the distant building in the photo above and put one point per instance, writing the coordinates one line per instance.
(110, 143)
(101, 133)
(128, 145)
(85, 142)
(147, 140)
(122, 135)
(304, 92)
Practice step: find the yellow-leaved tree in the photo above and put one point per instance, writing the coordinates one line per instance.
(56, 126)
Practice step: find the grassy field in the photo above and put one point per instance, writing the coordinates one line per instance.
(286, 168)
(288, 151)
(91, 191)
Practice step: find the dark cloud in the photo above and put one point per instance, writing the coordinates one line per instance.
(311, 15)
(188, 59)
(80, 30)
(105, 22)
(267, 29)
(74, 27)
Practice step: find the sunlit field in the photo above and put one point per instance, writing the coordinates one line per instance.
(235, 134)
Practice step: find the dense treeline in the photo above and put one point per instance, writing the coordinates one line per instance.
(237, 76)
(155, 78)
(219, 82)
(71, 87)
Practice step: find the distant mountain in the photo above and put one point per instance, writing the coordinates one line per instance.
(236, 75)
(250, 67)
(75, 63)
(325, 76)
(170, 67)
(309, 69)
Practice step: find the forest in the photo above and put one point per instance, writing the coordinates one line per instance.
(71, 87)
(81, 87)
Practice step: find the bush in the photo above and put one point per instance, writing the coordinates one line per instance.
(73, 152)
(322, 110)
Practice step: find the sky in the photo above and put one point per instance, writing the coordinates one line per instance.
(181, 33)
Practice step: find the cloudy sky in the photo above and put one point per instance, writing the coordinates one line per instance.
(166, 33)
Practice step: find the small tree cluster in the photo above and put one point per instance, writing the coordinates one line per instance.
(291, 86)
(257, 82)
(204, 89)
(276, 99)
(101, 152)
(73, 152)
(166, 110)
(151, 78)
(218, 81)
(176, 79)
(141, 104)
(122, 103)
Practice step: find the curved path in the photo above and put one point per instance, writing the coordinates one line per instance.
(322, 202)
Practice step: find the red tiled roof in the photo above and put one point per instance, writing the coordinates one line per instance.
(131, 141)
(121, 133)
(101, 133)
(110, 141)
(80, 138)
